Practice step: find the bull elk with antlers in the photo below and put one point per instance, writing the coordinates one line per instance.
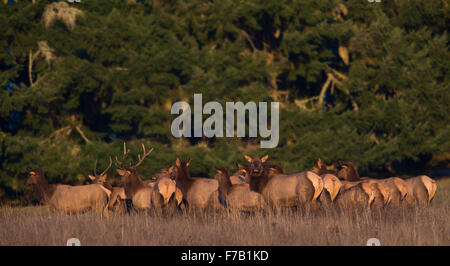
(117, 201)
(135, 188)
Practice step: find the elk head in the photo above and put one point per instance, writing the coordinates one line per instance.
(256, 165)
(127, 171)
(100, 178)
(348, 171)
(35, 176)
(221, 173)
(181, 168)
(242, 172)
(319, 168)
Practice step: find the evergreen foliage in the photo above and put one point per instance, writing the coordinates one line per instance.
(356, 81)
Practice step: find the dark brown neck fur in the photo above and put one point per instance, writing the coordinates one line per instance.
(224, 183)
(43, 189)
(351, 174)
(134, 182)
(258, 183)
(183, 179)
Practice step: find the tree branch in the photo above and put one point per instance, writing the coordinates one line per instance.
(82, 134)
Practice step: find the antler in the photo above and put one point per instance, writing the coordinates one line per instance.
(143, 157)
(125, 152)
(109, 166)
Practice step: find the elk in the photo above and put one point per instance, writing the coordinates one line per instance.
(237, 196)
(240, 176)
(281, 190)
(165, 192)
(69, 199)
(135, 189)
(359, 195)
(198, 193)
(349, 192)
(331, 184)
(393, 189)
(421, 190)
(348, 171)
(117, 201)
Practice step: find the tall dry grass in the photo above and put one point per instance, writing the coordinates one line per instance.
(406, 226)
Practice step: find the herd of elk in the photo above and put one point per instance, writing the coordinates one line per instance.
(256, 185)
(392, 191)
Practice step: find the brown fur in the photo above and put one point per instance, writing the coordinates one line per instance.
(280, 190)
(331, 185)
(165, 191)
(239, 177)
(135, 189)
(237, 196)
(69, 199)
(320, 168)
(421, 190)
(117, 199)
(348, 172)
(356, 195)
(196, 191)
(388, 192)
(393, 189)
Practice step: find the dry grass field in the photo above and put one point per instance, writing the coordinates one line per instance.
(416, 226)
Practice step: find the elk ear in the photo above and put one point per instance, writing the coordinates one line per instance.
(248, 158)
(240, 166)
(178, 162)
(218, 170)
(91, 177)
(120, 171)
(263, 159)
(319, 163)
(188, 162)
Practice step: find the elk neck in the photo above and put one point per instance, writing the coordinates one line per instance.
(43, 188)
(224, 185)
(183, 179)
(321, 171)
(258, 183)
(134, 182)
(353, 174)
